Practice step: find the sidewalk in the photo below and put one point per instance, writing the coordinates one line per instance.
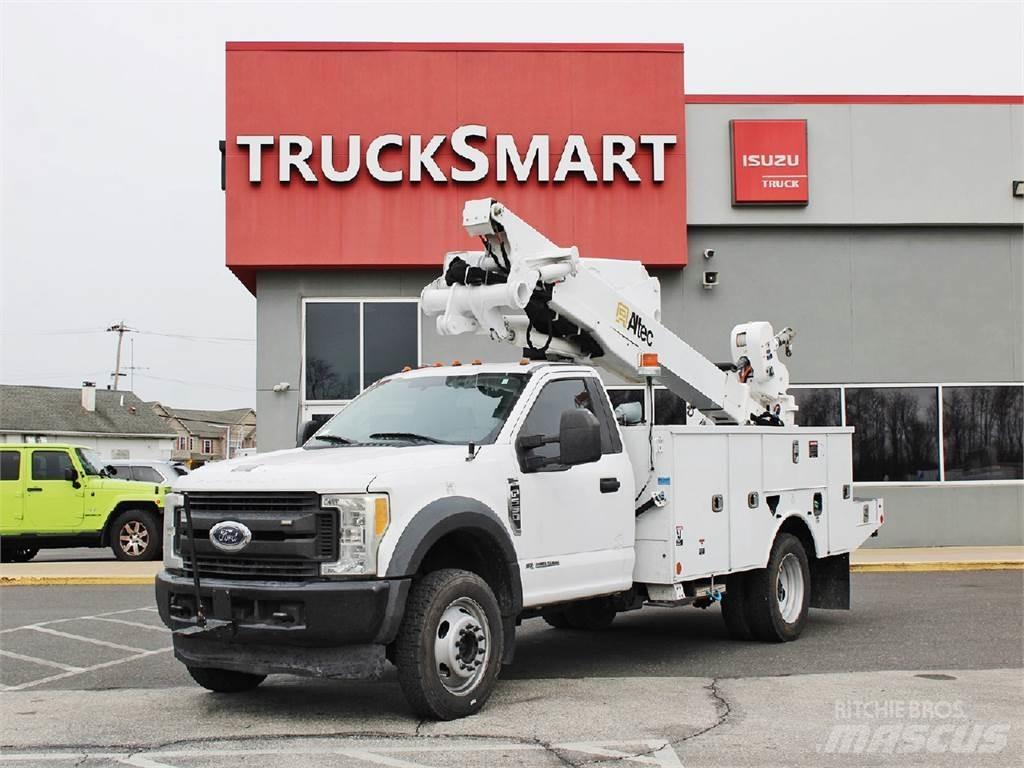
(863, 560)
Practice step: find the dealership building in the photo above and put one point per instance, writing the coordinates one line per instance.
(886, 230)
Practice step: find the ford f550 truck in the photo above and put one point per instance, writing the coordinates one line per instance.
(447, 503)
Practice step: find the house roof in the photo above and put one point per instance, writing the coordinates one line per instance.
(202, 423)
(58, 410)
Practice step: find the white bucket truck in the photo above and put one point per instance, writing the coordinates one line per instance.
(447, 503)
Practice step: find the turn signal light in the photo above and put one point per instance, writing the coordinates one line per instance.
(381, 516)
(648, 359)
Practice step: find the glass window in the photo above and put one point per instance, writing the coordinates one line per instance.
(624, 396)
(50, 465)
(897, 430)
(669, 408)
(332, 350)
(819, 406)
(390, 338)
(207, 446)
(182, 443)
(546, 413)
(388, 330)
(10, 465)
(983, 428)
(146, 475)
(411, 409)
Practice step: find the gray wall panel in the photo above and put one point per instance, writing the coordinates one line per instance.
(949, 515)
(870, 164)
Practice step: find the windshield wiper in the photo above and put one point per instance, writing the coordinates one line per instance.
(404, 436)
(335, 439)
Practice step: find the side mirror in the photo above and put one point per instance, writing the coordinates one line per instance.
(579, 437)
(111, 470)
(307, 431)
(71, 475)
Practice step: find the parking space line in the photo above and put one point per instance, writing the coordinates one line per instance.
(41, 662)
(82, 671)
(125, 622)
(94, 641)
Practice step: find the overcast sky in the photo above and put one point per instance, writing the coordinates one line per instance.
(111, 113)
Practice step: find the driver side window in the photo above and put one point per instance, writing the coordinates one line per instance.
(546, 413)
(50, 465)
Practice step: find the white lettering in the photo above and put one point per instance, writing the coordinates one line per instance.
(610, 159)
(462, 148)
(286, 160)
(771, 161)
(575, 159)
(658, 143)
(373, 157)
(327, 159)
(424, 158)
(507, 153)
(255, 145)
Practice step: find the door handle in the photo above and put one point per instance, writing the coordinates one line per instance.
(610, 484)
(33, 490)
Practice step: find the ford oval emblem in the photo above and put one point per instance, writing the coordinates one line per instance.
(229, 536)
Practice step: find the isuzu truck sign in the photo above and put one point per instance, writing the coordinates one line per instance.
(769, 162)
(466, 156)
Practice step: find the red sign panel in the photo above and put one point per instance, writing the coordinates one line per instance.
(362, 155)
(769, 162)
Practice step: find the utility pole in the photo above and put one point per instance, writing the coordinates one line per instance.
(121, 329)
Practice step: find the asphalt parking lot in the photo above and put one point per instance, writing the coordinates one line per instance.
(926, 668)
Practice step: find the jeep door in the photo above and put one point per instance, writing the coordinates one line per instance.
(52, 502)
(12, 491)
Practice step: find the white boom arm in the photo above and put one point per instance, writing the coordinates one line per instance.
(525, 290)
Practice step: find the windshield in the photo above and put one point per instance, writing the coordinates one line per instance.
(427, 409)
(91, 461)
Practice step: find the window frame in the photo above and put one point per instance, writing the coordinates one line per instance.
(360, 300)
(207, 446)
(31, 465)
(19, 463)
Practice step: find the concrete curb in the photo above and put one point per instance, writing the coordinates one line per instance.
(882, 567)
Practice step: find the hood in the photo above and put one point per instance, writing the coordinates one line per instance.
(341, 468)
(116, 485)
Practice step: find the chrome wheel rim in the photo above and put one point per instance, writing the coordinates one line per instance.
(462, 646)
(134, 538)
(790, 588)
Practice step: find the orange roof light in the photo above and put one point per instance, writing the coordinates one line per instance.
(438, 365)
(648, 359)
(525, 361)
(477, 362)
(407, 369)
(456, 363)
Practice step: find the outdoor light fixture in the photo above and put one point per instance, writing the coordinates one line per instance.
(1018, 188)
(709, 280)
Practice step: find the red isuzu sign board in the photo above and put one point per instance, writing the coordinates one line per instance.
(361, 155)
(769, 162)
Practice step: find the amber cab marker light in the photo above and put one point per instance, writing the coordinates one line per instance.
(438, 365)
(406, 369)
(524, 361)
(477, 362)
(648, 359)
(456, 363)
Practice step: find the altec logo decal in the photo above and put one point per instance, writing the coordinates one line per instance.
(393, 158)
(769, 162)
(631, 321)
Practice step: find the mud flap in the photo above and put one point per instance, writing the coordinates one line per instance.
(830, 582)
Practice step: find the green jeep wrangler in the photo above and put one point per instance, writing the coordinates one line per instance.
(58, 495)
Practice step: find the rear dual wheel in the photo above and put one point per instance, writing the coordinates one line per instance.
(771, 603)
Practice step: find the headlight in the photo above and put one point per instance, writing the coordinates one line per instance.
(362, 521)
(173, 502)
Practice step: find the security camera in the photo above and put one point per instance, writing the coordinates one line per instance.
(709, 253)
(710, 280)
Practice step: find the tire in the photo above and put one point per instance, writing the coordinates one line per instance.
(136, 535)
(449, 646)
(15, 553)
(733, 607)
(777, 597)
(556, 619)
(592, 615)
(225, 680)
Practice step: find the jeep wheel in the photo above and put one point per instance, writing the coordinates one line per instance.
(136, 535)
(225, 680)
(449, 646)
(777, 597)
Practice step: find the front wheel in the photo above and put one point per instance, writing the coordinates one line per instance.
(225, 680)
(449, 647)
(13, 553)
(136, 535)
(777, 597)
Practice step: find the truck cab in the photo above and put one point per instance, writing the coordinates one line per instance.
(62, 495)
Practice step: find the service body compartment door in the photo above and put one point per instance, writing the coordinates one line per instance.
(700, 498)
(751, 520)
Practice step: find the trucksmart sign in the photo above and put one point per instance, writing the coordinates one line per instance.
(769, 162)
(392, 158)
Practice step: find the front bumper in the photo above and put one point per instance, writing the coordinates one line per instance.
(320, 614)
